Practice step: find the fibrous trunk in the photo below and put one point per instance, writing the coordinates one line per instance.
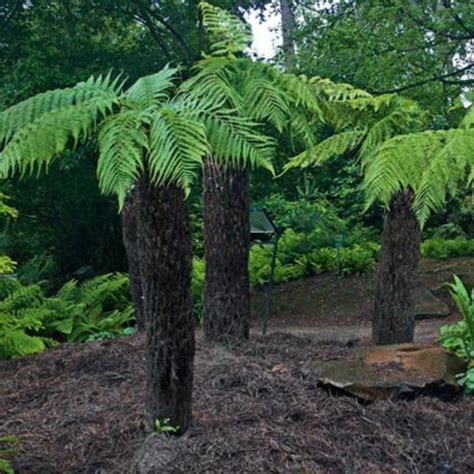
(129, 235)
(394, 312)
(226, 248)
(165, 256)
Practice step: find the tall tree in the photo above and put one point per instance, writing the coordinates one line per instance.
(288, 30)
(365, 123)
(421, 48)
(147, 139)
(412, 175)
(154, 140)
(257, 92)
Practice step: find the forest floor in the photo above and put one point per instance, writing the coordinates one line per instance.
(334, 308)
(79, 408)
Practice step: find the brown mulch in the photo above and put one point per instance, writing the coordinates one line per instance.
(78, 409)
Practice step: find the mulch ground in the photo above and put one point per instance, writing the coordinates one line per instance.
(78, 408)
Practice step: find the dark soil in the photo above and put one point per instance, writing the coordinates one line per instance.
(327, 300)
(78, 409)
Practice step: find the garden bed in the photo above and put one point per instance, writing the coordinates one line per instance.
(78, 408)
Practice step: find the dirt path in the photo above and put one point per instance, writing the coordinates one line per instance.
(426, 331)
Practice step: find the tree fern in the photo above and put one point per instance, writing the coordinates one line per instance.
(122, 144)
(227, 34)
(434, 164)
(18, 116)
(178, 141)
(152, 89)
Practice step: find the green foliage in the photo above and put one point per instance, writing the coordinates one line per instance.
(8, 449)
(459, 338)
(38, 268)
(198, 287)
(435, 164)
(227, 33)
(7, 265)
(301, 255)
(95, 309)
(447, 248)
(389, 46)
(165, 427)
(143, 128)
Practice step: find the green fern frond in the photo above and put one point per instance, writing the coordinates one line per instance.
(335, 145)
(7, 265)
(337, 91)
(298, 91)
(213, 80)
(37, 144)
(122, 144)
(265, 101)
(235, 142)
(18, 343)
(152, 89)
(449, 170)
(468, 120)
(227, 33)
(178, 144)
(434, 164)
(30, 110)
(22, 297)
(5, 209)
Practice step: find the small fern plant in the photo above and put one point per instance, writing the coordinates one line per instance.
(458, 338)
(7, 265)
(8, 449)
(98, 308)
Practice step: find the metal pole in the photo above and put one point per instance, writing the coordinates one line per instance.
(268, 293)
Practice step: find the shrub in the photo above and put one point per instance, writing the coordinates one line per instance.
(8, 449)
(96, 309)
(298, 256)
(458, 338)
(198, 287)
(442, 248)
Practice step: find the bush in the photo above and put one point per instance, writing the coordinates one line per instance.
(299, 256)
(96, 309)
(442, 248)
(198, 287)
(458, 338)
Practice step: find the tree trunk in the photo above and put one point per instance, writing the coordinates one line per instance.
(288, 28)
(394, 312)
(226, 250)
(165, 255)
(129, 235)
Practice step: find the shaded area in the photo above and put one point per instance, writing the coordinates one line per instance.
(79, 408)
(326, 300)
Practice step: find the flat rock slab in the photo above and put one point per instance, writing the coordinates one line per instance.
(396, 371)
(428, 306)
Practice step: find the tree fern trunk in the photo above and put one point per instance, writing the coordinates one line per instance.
(226, 248)
(129, 235)
(394, 312)
(165, 253)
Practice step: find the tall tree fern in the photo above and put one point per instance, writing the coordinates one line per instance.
(412, 175)
(411, 172)
(263, 94)
(152, 139)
